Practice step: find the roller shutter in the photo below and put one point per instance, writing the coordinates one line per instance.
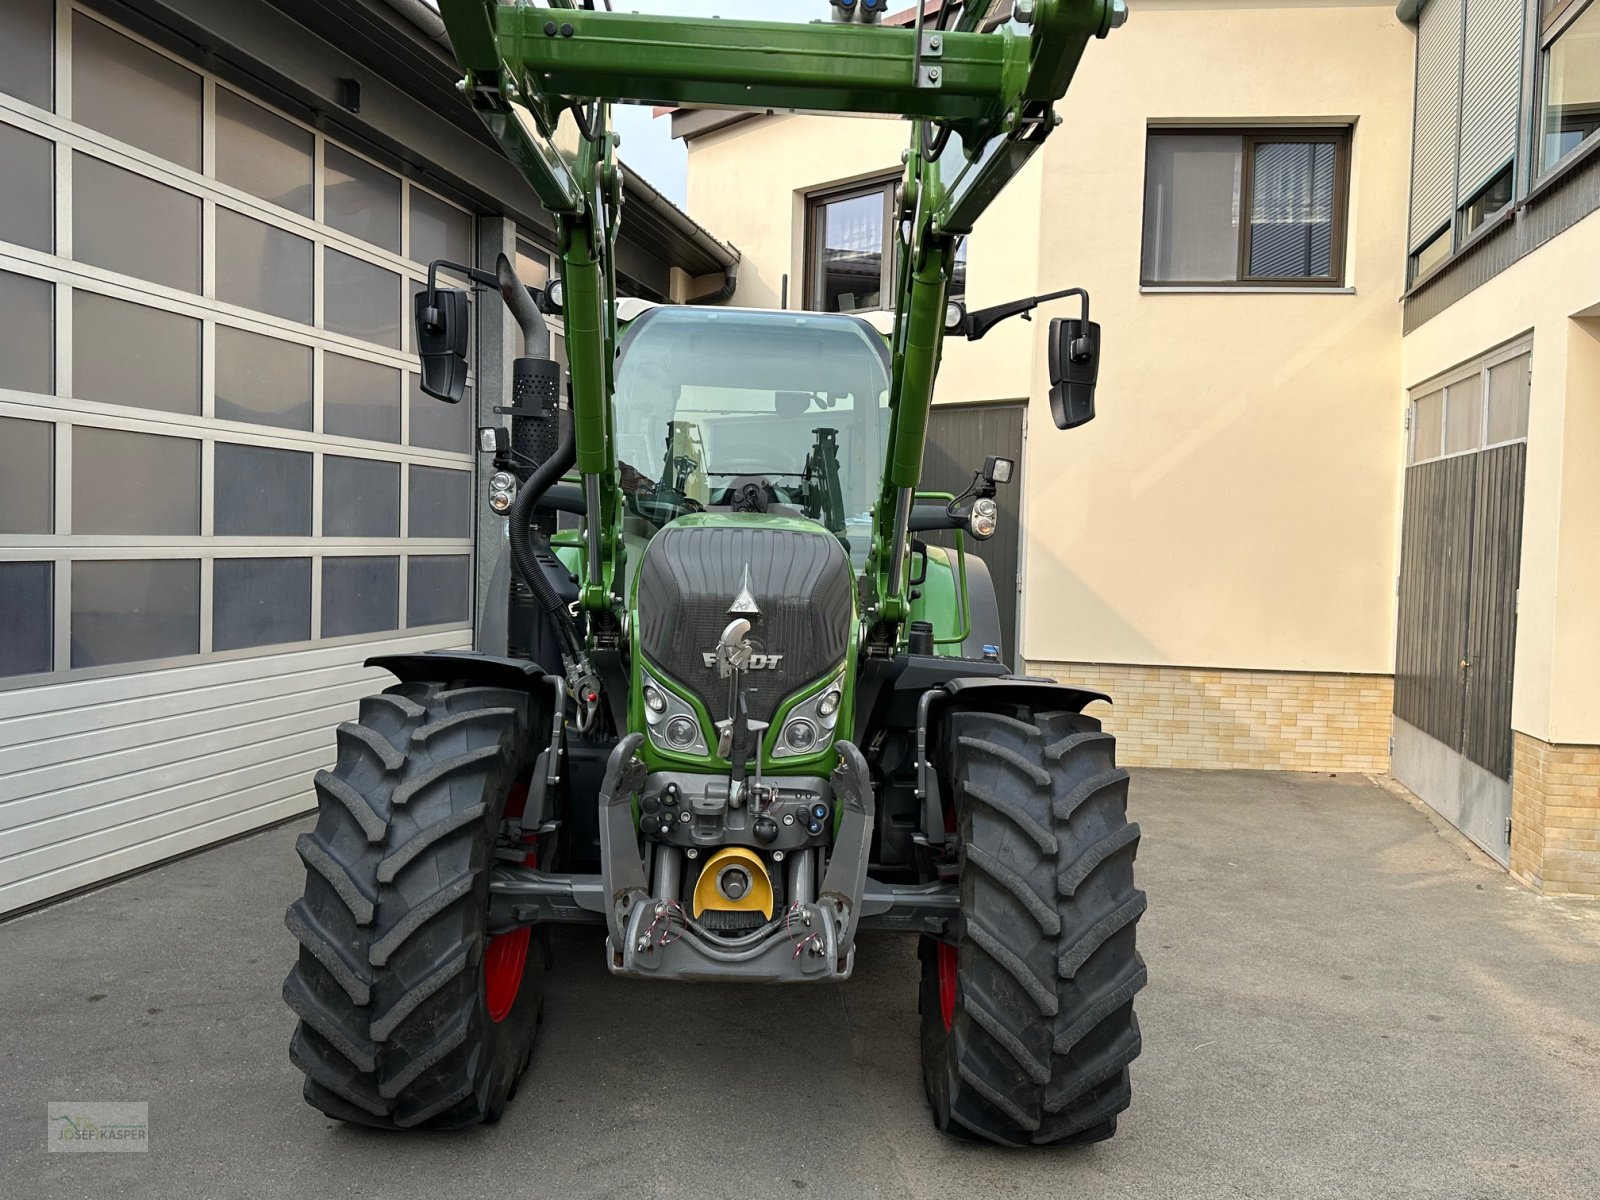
(1491, 88)
(1438, 117)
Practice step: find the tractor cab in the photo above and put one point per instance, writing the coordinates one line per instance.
(742, 411)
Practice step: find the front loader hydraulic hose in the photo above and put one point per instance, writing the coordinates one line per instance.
(524, 553)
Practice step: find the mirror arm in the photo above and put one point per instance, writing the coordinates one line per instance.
(984, 319)
(430, 315)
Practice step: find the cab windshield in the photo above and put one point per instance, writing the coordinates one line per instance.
(729, 410)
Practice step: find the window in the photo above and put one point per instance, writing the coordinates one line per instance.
(134, 93)
(439, 230)
(1481, 405)
(360, 399)
(262, 267)
(27, 190)
(438, 589)
(958, 272)
(360, 497)
(1569, 87)
(134, 610)
(125, 222)
(1430, 254)
(850, 249)
(27, 615)
(263, 380)
(134, 483)
(533, 263)
(27, 50)
(27, 476)
(261, 602)
(361, 199)
(126, 353)
(27, 359)
(263, 154)
(1228, 208)
(1466, 117)
(1494, 197)
(262, 492)
(360, 595)
(439, 503)
(436, 425)
(360, 299)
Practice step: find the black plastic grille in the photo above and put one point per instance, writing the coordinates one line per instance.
(801, 582)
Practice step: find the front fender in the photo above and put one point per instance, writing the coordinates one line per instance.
(982, 692)
(468, 666)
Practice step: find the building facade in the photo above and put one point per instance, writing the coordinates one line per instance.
(221, 487)
(1338, 510)
(1501, 362)
(1329, 246)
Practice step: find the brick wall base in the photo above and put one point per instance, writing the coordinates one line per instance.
(1555, 816)
(1267, 720)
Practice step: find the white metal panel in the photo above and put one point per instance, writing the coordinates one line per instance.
(1438, 116)
(1491, 90)
(99, 777)
(1463, 793)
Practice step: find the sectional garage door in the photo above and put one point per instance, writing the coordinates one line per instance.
(220, 487)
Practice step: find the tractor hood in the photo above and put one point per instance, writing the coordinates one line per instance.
(702, 571)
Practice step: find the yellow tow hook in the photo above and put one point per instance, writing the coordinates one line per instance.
(734, 880)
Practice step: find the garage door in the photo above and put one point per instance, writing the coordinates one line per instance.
(1460, 550)
(960, 437)
(220, 485)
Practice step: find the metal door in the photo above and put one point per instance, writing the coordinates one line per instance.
(1460, 549)
(960, 437)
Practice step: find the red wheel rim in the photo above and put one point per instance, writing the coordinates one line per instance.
(503, 962)
(507, 955)
(947, 983)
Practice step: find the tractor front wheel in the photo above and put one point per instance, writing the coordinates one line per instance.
(410, 1014)
(1027, 1013)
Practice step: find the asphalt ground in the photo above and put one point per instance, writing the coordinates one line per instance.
(1345, 1000)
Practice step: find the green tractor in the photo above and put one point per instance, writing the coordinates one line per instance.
(733, 708)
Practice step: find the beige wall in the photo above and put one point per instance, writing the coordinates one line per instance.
(1555, 696)
(1236, 502)
(748, 184)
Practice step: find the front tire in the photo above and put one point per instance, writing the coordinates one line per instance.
(410, 1016)
(1027, 1015)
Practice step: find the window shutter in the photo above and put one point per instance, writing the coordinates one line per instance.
(1438, 113)
(1491, 88)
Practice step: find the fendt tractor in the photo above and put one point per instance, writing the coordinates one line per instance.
(727, 703)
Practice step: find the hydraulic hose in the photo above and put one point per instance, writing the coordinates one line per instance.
(524, 553)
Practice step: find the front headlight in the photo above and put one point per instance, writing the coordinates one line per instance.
(670, 720)
(809, 725)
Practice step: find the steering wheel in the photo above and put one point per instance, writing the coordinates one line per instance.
(749, 494)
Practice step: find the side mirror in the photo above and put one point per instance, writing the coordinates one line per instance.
(1074, 367)
(441, 316)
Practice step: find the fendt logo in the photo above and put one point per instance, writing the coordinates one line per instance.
(758, 662)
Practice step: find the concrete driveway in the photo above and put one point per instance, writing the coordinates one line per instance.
(1344, 1000)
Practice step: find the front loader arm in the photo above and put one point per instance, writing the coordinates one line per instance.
(981, 103)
